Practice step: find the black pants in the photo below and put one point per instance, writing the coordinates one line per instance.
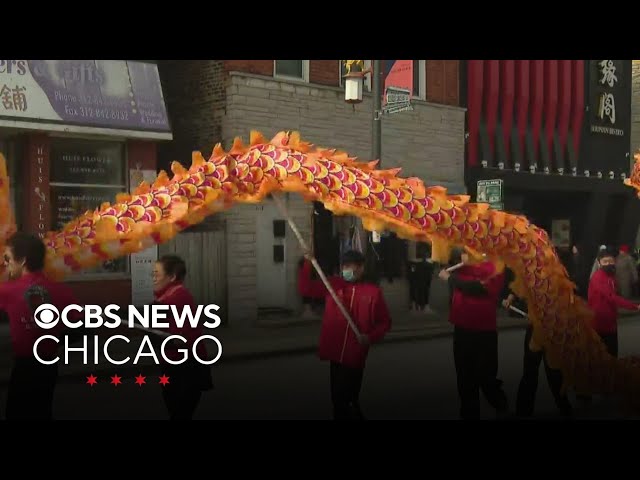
(475, 354)
(529, 382)
(419, 283)
(610, 341)
(183, 392)
(31, 388)
(346, 383)
(313, 302)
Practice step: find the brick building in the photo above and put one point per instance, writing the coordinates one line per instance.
(73, 132)
(215, 100)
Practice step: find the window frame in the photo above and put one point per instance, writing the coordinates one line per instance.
(305, 72)
(86, 276)
(422, 81)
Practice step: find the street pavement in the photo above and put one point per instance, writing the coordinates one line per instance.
(408, 380)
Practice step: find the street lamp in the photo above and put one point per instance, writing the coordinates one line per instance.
(354, 86)
(354, 83)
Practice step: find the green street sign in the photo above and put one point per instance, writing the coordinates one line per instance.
(490, 191)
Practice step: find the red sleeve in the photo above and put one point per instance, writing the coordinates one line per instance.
(607, 290)
(624, 303)
(331, 309)
(381, 319)
(494, 285)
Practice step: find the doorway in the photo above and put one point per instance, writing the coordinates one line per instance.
(271, 257)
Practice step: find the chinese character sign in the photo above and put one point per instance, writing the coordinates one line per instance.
(99, 93)
(608, 82)
(608, 72)
(605, 148)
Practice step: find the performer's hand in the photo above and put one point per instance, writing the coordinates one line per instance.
(444, 275)
(506, 303)
(364, 340)
(308, 256)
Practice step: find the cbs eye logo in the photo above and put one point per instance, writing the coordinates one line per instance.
(46, 316)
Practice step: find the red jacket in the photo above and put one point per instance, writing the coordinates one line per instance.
(177, 294)
(604, 302)
(308, 287)
(368, 309)
(19, 299)
(476, 311)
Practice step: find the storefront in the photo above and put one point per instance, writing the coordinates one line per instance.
(75, 133)
(557, 133)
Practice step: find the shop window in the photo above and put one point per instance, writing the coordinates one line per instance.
(85, 174)
(13, 149)
(294, 69)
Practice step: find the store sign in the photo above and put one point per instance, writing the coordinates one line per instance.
(68, 203)
(606, 147)
(40, 189)
(100, 93)
(91, 163)
(607, 98)
(490, 191)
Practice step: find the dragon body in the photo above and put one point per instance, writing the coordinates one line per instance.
(248, 173)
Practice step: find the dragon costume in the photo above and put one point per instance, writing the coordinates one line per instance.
(248, 173)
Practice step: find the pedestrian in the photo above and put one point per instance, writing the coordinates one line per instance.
(346, 352)
(32, 383)
(604, 301)
(626, 273)
(474, 305)
(189, 379)
(526, 397)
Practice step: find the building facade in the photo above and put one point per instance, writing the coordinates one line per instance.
(217, 100)
(557, 134)
(74, 133)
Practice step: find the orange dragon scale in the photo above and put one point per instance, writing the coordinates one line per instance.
(248, 173)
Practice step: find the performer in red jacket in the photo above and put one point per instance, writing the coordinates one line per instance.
(339, 345)
(189, 379)
(32, 383)
(474, 309)
(604, 301)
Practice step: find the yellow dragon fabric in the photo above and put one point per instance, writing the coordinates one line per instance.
(248, 173)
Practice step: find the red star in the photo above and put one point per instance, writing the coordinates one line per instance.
(140, 379)
(116, 380)
(164, 380)
(91, 380)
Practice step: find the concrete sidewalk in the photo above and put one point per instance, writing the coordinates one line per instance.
(275, 339)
